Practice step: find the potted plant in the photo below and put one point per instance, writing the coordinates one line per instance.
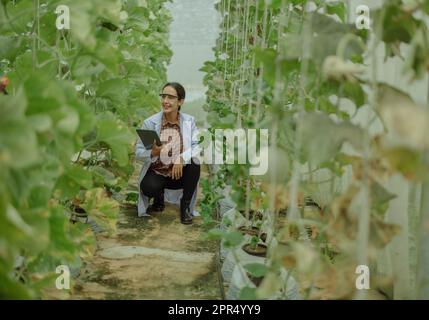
(255, 227)
(255, 248)
(77, 212)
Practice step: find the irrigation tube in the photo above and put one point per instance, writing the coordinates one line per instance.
(217, 252)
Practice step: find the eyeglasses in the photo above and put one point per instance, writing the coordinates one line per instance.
(168, 96)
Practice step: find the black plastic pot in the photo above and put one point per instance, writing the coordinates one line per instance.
(259, 251)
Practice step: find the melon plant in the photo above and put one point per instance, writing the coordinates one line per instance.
(351, 139)
(74, 97)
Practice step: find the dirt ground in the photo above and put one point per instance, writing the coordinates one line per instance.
(150, 258)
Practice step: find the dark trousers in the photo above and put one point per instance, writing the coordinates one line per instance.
(154, 184)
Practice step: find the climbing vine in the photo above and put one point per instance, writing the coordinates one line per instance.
(338, 135)
(73, 98)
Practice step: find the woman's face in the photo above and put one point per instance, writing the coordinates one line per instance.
(170, 101)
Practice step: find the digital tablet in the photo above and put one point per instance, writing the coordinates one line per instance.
(147, 137)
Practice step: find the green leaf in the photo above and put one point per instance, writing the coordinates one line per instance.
(101, 208)
(38, 219)
(84, 67)
(59, 239)
(256, 269)
(318, 148)
(233, 239)
(82, 24)
(15, 290)
(392, 30)
(69, 123)
(20, 15)
(338, 8)
(103, 175)
(15, 218)
(9, 47)
(406, 160)
(110, 10)
(47, 64)
(215, 234)
(132, 197)
(40, 122)
(138, 19)
(107, 54)
(43, 95)
(48, 31)
(268, 58)
(72, 181)
(248, 293)
(354, 92)
(12, 108)
(326, 35)
(39, 196)
(113, 89)
(18, 145)
(86, 115)
(406, 122)
(80, 176)
(380, 198)
(426, 6)
(116, 134)
(350, 90)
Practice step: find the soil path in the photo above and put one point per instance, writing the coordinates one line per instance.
(151, 258)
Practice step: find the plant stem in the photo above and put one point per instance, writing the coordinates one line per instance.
(423, 245)
(423, 241)
(364, 216)
(33, 34)
(293, 213)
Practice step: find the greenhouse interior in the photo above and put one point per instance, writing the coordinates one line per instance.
(214, 150)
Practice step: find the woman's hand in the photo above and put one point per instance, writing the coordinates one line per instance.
(156, 151)
(177, 171)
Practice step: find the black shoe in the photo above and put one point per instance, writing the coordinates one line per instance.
(157, 205)
(185, 212)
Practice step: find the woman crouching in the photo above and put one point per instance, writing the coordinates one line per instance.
(173, 165)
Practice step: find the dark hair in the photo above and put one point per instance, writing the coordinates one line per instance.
(181, 93)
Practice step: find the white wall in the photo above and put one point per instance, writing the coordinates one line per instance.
(193, 34)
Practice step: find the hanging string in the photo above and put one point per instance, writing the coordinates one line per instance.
(250, 71)
(279, 85)
(236, 26)
(228, 22)
(294, 213)
(261, 66)
(244, 52)
(242, 77)
(222, 32)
